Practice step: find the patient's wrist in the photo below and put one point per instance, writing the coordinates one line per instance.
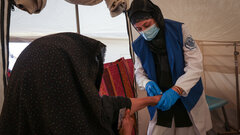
(156, 99)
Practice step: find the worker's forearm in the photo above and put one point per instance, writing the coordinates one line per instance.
(140, 103)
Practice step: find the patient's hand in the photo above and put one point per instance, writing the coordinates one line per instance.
(137, 104)
(127, 124)
(140, 103)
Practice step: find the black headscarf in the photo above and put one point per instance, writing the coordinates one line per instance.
(53, 90)
(149, 7)
(146, 6)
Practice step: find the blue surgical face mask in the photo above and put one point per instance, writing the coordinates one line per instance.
(150, 33)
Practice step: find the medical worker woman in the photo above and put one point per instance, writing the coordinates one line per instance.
(169, 62)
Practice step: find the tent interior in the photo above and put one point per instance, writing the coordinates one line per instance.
(214, 24)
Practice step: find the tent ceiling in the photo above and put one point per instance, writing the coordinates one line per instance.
(53, 18)
(59, 16)
(215, 20)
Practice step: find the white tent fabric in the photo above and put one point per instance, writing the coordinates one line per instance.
(59, 16)
(204, 17)
(214, 20)
(208, 20)
(3, 48)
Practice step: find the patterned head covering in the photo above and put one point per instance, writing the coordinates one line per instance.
(31, 6)
(85, 2)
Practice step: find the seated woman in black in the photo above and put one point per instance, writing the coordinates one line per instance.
(53, 90)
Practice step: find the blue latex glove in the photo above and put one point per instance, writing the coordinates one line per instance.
(153, 89)
(167, 100)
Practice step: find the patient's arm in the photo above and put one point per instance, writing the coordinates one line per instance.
(140, 103)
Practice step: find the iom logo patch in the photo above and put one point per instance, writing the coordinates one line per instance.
(190, 43)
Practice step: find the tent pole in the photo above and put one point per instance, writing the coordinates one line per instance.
(130, 37)
(237, 132)
(77, 19)
(236, 53)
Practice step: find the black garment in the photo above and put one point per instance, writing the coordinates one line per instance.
(164, 81)
(53, 90)
(163, 73)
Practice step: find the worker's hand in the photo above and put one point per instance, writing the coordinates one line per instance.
(167, 100)
(127, 124)
(153, 89)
